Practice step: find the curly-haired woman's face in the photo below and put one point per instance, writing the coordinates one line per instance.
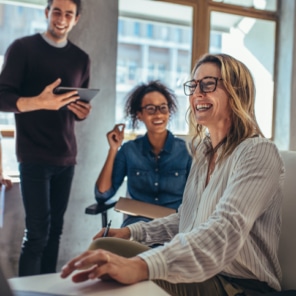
(211, 109)
(155, 112)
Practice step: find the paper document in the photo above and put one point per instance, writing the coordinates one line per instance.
(2, 204)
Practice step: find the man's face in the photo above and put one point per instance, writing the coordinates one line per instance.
(61, 18)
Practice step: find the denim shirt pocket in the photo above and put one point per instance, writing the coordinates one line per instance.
(175, 180)
(138, 179)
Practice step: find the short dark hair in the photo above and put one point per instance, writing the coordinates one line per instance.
(77, 2)
(135, 97)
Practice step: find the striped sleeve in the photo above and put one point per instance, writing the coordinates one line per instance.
(230, 227)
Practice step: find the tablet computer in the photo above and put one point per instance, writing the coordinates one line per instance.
(85, 94)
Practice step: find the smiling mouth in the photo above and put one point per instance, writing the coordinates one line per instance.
(157, 122)
(203, 107)
(60, 28)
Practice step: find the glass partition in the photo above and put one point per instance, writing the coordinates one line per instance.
(17, 20)
(154, 43)
(253, 42)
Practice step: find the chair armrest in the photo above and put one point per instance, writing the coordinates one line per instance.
(98, 208)
(101, 208)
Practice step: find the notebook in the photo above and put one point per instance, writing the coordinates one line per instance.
(138, 208)
(5, 289)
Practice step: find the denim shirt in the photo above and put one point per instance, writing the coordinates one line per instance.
(154, 179)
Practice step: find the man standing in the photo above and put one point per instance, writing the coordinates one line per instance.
(45, 141)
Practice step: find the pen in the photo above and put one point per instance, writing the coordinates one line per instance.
(107, 229)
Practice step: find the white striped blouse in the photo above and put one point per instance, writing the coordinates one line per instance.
(229, 227)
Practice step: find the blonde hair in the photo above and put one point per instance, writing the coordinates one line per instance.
(239, 84)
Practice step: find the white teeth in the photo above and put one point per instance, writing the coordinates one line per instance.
(203, 107)
(158, 121)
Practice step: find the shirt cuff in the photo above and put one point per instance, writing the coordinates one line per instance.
(136, 231)
(156, 264)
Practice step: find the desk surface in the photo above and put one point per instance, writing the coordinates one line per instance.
(54, 284)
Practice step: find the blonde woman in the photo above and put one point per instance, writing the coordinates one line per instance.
(224, 239)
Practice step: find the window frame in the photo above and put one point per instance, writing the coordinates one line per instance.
(201, 32)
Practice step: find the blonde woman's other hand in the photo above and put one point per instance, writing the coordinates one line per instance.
(102, 264)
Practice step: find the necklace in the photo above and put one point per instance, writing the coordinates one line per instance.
(212, 150)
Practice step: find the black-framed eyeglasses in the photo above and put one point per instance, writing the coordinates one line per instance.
(206, 85)
(152, 109)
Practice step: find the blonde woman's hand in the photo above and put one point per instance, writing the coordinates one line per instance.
(115, 232)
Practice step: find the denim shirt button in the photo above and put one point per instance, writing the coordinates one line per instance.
(155, 184)
(156, 199)
(156, 170)
(137, 173)
(176, 174)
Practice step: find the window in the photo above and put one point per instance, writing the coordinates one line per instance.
(245, 29)
(16, 20)
(136, 29)
(239, 38)
(159, 55)
(149, 30)
(215, 41)
(162, 40)
(120, 27)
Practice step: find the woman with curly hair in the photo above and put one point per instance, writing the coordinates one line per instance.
(156, 164)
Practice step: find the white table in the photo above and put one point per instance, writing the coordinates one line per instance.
(54, 284)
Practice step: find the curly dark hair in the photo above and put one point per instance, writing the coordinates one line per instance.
(77, 2)
(135, 97)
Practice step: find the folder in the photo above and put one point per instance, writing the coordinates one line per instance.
(139, 208)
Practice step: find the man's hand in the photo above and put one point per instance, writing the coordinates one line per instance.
(106, 265)
(47, 99)
(80, 108)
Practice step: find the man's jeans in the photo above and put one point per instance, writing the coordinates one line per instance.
(45, 191)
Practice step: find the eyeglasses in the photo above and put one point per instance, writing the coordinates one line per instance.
(206, 85)
(152, 109)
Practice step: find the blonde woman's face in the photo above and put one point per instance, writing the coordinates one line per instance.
(211, 109)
